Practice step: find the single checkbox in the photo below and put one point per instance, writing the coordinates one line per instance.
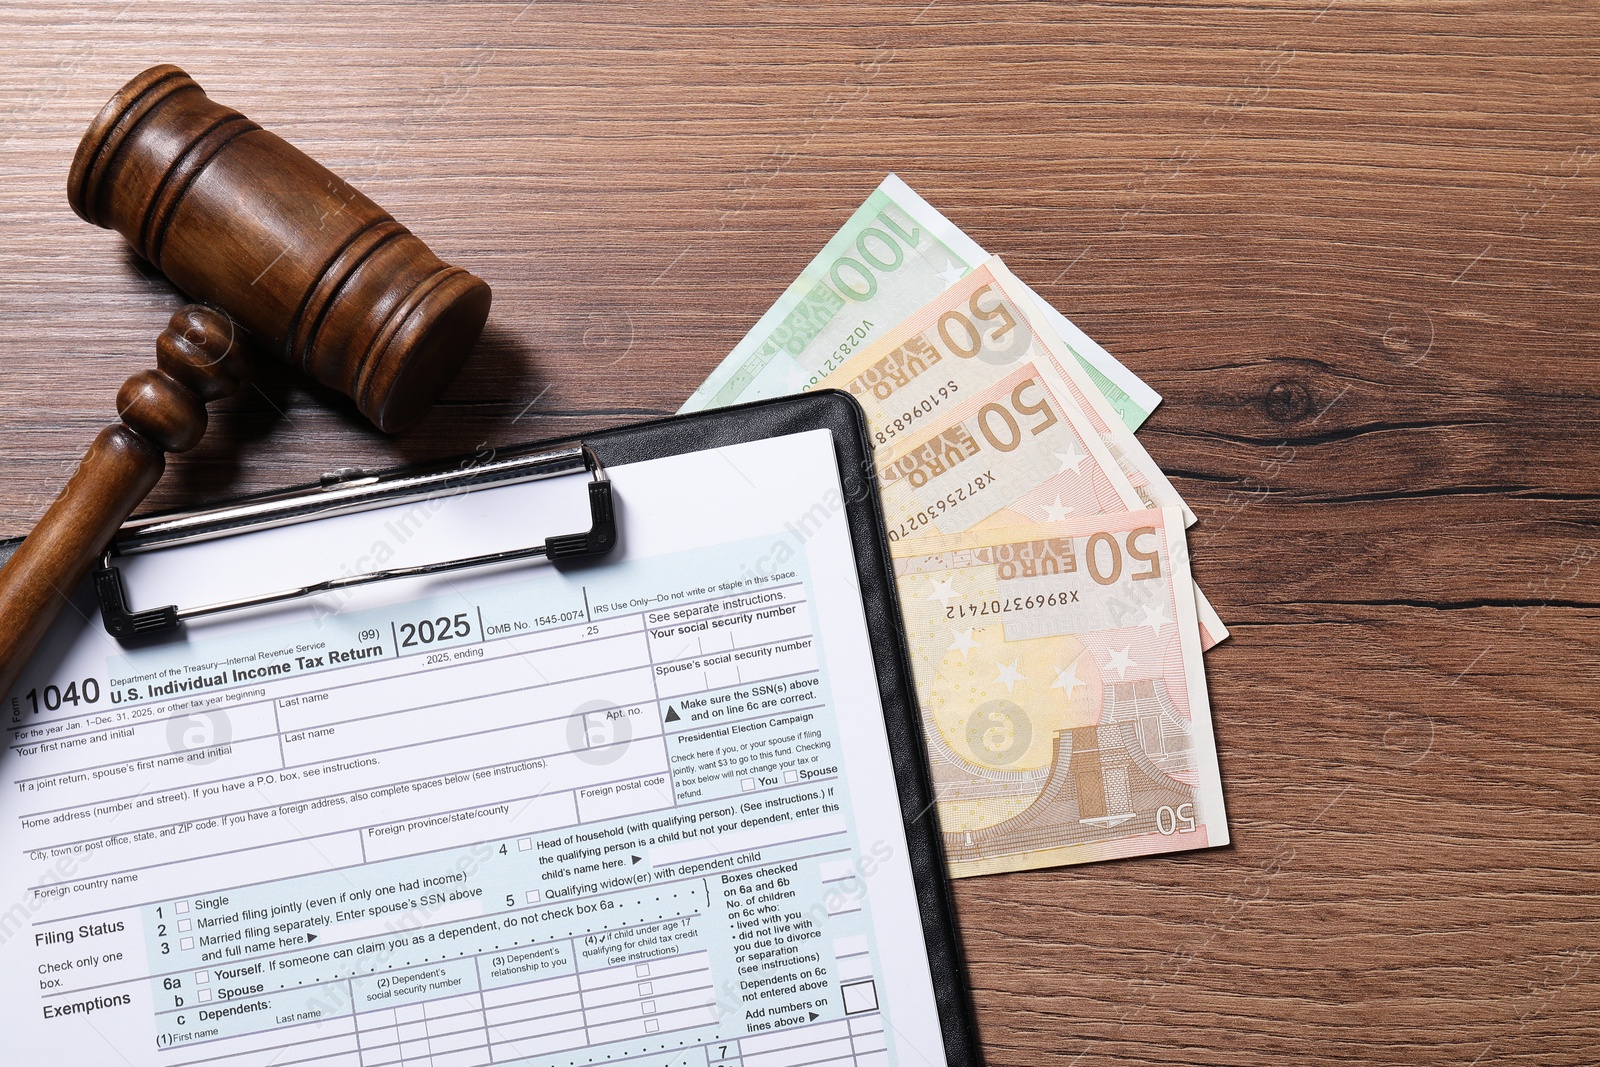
(181, 907)
(186, 943)
(184, 926)
(202, 977)
(747, 785)
(524, 844)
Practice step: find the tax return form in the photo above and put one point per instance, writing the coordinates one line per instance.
(639, 812)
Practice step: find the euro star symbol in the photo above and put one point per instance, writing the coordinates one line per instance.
(1118, 660)
(1057, 511)
(963, 643)
(952, 274)
(1009, 674)
(1071, 459)
(1155, 617)
(944, 590)
(1067, 679)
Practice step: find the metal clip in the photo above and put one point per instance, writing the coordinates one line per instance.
(125, 624)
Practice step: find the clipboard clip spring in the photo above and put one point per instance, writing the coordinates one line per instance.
(125, 624)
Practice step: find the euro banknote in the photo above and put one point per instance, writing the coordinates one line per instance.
(889, 259)
(969, 336)
(1063, 696)
(1008, 452)
(1148, 479)
(993, 436)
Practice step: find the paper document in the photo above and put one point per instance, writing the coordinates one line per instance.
(637, 812)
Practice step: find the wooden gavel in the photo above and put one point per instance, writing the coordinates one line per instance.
(308, 267)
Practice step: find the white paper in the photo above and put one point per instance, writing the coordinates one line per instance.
(641, 811)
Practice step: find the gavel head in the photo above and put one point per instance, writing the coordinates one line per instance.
(317, 273)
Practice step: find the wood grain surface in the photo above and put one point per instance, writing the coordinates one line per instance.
(1352, 243)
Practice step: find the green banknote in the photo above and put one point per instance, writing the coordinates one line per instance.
(894, 255)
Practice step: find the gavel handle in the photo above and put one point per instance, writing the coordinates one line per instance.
(163, 410)
(117, 472)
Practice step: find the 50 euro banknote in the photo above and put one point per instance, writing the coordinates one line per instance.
(892, 256)
(970, 336)
(992, 435)
(1007, 452)
(1063, 696)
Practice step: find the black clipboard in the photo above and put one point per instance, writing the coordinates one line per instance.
(348, 489)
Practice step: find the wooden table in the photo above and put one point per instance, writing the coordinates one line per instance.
(1352, 243)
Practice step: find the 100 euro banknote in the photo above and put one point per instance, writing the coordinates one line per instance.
(889, 259)
(1063, 697)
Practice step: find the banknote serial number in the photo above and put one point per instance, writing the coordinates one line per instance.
(945, 503)
(921, 409)
(1006, 605)
(841, 354)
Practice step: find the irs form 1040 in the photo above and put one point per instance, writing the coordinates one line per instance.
(635, 813)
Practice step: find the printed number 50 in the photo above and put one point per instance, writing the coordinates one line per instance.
(1091, 551)
(1170, 821)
